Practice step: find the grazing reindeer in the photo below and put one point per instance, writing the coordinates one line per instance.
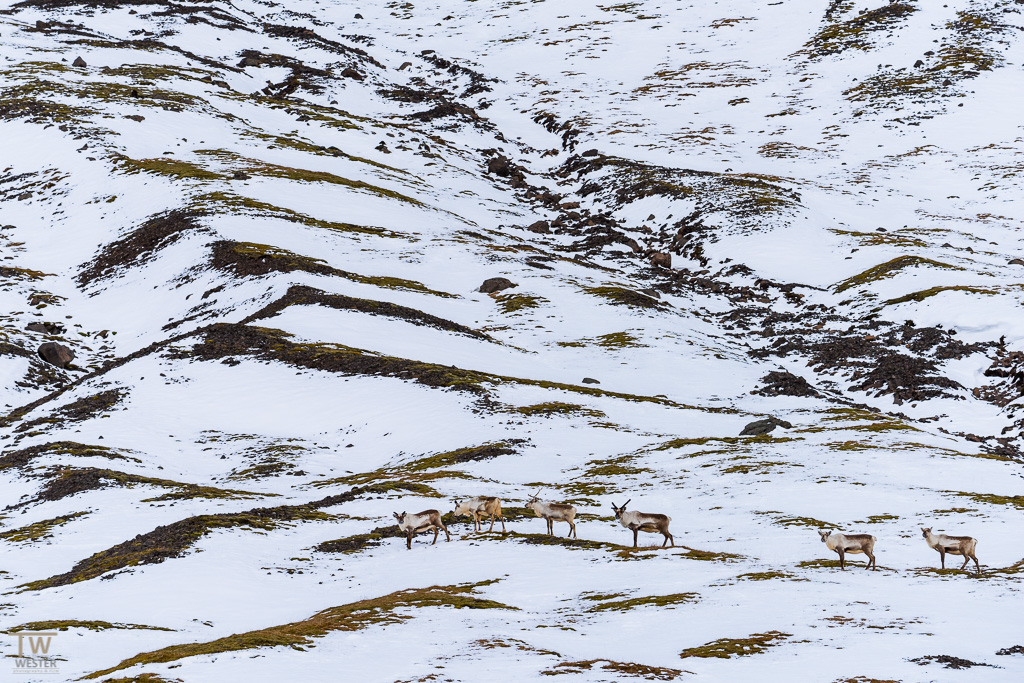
(481, 506)
(954, 545)
(850, 543)
(424, 521)
(644, 521)
(554, 512)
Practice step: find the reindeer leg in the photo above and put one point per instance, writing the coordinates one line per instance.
(942, 555)
(966, 560)
(572, 530)
(491, 530)
(842, 559)
(636, 531)
(447, 536)
(408, 539)
(551, 526)
(871, 564)
(976, 565)
(436, 532)
(502, 524)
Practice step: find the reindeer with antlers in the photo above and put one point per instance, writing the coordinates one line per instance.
(643, 521)
(553, 512)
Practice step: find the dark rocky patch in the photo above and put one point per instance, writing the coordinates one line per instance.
(21, 458)
(1014, 650)
(312, 37)
(782, 383)
(141, 245)
(46, 328)
(78, 411)
(352, 544)
(948, 661)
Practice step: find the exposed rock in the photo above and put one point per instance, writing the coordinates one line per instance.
(353, 74)
(240, 175)
(79, 62)
(56, 354)
(948, 661)
(1015, 650)
(496, 284)
(1016, 262)
(590, 380)
(782, 383)
(661, 259)
(759, 427)
(405, 65)
(249, 61)
(135, 117)
(540, 227)
(47, 328)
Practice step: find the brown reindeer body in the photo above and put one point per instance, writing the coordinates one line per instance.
(481, 506)
(423, 521)
(650, 522)
(850, 543)
(952, 545)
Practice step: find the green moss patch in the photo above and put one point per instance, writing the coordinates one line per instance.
(650, 600)
(558, 408)
(249, 259)
(992, 499)
(359, 542)
(385, 610)
(767, 576)
(855, 33)
(79, 410)
(616, 669)
(724, 648)
(39, 530)
(889, 268)
(621, 296)
(225, 340)
(463, 455)
(301, 295)
(932, 291)
(23, 457)
(515, 303)
(170, 168)
(67, 481)
(226, 202)
(64, 625)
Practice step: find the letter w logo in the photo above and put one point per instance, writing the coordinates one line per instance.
(38, 642)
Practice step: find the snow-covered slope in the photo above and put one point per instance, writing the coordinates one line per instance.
(262, 229)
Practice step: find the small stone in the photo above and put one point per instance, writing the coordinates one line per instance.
(79, 62)
(591, 153)
(358, 16)
(540, 227)
(382, 147)
(1016, 262)
(590, 380)
(56, 354)
(240, 175)
(918, 64)
(496, 284)
(135, 117)
(249, 61)
(405, 65)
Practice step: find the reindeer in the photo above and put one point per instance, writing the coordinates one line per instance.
(553, 512)
(424, 521)
(481, 506)
(954, 545)
(644, 521)
(850, 543)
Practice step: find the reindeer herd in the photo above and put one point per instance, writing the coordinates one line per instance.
(484, 506)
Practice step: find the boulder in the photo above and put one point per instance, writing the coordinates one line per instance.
(79, 62)
(540, 227)
(661, 259)
(759, 427)
(590, 380)
(56, 354)
(352, 73)
(496, 284)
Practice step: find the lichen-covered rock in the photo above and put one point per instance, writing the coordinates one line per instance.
(759, 427)
(496, 284)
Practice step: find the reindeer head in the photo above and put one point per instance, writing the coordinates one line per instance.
(824, 535)
(535, 498)
(399, 517)
(620, 510)
(925, 532)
